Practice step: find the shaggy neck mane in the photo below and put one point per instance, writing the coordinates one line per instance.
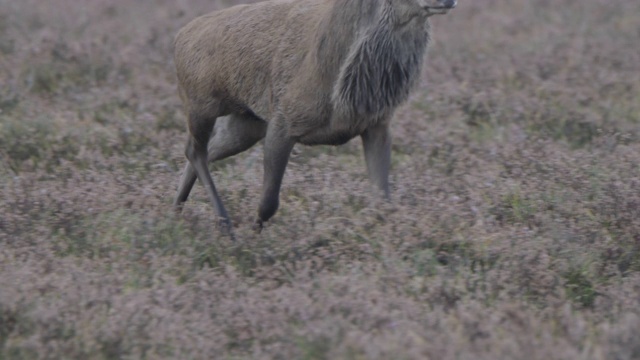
(338, 31)
(384, 60)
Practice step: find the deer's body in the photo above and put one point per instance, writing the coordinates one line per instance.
(304, 71)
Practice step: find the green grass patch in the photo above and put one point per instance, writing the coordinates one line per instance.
(579, 287)
(27, 145)
(515, 208)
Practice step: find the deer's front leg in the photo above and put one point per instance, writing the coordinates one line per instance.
(376, 141)
(277, 148)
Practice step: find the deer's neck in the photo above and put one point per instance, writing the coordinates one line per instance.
(339, 29)
(383, 63)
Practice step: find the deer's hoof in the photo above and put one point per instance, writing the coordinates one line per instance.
(225, 226)
(177, 209)
(258, 226)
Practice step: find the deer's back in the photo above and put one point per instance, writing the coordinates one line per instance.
(246, 55)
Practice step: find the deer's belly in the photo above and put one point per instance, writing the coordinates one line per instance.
(327, 137)
(336, 131)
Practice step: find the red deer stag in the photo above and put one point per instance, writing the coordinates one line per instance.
(305, 71)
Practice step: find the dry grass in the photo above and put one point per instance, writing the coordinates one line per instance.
(514, 230)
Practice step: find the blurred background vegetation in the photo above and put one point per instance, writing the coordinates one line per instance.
(514, 230)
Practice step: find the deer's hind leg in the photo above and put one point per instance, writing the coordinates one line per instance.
(232, 135)
(201, 124)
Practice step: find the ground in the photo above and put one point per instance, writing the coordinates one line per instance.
(513, 231)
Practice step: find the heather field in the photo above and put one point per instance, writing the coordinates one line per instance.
(513, 230)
